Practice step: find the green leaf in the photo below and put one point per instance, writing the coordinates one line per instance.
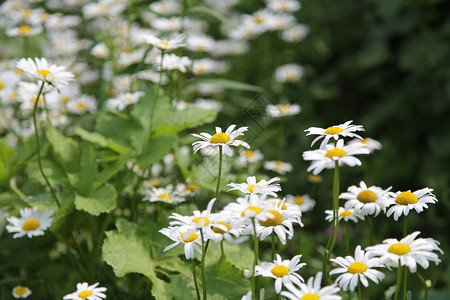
(6, 153)
(66, 150)
(207, 11)
(111, 170)
(230, 84)
(156, 149)
(82, 181)
(97, 138)
(102, 200)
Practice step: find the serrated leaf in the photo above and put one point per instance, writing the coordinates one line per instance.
(66, 150)
(102, 200)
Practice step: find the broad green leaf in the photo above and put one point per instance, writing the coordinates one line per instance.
(230, 84)
(82, 181)
(6, 153)
(110, 170)
(156, 149)
(102, 200)
(66, 150)
(97, 138)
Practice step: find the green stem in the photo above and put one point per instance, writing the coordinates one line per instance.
(405, 226)
(218, 177)
(17, 191)
(156, 95)
(359, 291)
(399, 280)
(255, 261)
(347, 244)
(273, 245)
(369, 220)
(349, 295)
(425, 286)
(222, 253)
(405, 278)
(38, 144)
(203, 266)
(197, 291)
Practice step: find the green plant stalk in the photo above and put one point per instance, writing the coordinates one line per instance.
(36, 249)
(222, 252)
(255, 261)
(405, 278)
(359, 291)
(369, 221)
(349, 295)
(38, 144)
(273, 245)
(219, 175)
(399, 280)
(425, 286)
(405, 226)
(197, 291)
(346, 234)
(203, 266)
(158, 87)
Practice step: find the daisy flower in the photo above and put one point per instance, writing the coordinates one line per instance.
(165, 7)
(23, 30)
(40, 69)
(283, 5)
(371, 144)
(123, 100)
(365, 200)
(32, 222)
(295, 33)
(278, 166)
(21, 292)
(282, 110)
(357, 269)
(325, 158)
(283, 271)
(315, 178)
(409, 251)
(304, 202)
(172, 62)
(189, 238)
(248, 156)
(200, 219)
(247, 208)
(165, 44)
(288, 73)
(400, 203)
(312, 290)
(336, 131)
(344, 214)
(82, 105)
(87, 292)
(225, 139)
(226, 229)
(262, 187)
(167, 195)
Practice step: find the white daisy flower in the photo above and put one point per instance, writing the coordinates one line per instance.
(24, 30)
(371, 144)
(304, 202)
(208, 104)
(32, 222)
(288, 73)
(21, 292)
(312, 290)
(190, 239)
(295, 33)
(82, 105)
(248, 156)
(166, 7)
(40, 69)
(344, 214)
(137, 169)
(325, 158)
(336, 131)
(165, 44)
(87, 292)
(228, 230)
(409, 251)
(282, 110)
(283, 5)
(173, 62)
(225, 139)
(244, 209)
(166, 195)
(400, 203)
(201, 43)
(103, 8)
(200, 220)
(207, 65)
(357, 269)
(123, 100)
(152, 76)
(278, 166)
(283, 271)
(365, 200)
(172, 24)
(100, 51)
(262, 187)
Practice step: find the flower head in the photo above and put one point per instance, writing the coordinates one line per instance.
(262, 187)
(225, 139)
(282, 110)
(400, 203)
(32, 222)
(87, 292)
(344, 214)
(21, 292)
(278, 166)
(167, 195)
(189, 238)
(336, 131)
(312, 290)
(40, 69)
(166, 44)
(365, 200)
(123, 100)
(304, 202)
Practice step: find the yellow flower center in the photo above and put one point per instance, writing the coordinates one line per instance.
(20, 290)
(220, 230)
(24, 29)
(154, 182)
(165, 43)
(283, 207)
(280, 271)
(201, 47)
(310, 297)
(84, 294)
(367, 196)
(191, 238)
(250, 188)
(165, 196)
(197, 220)
(249, 153)
(335, 152)
(275, 221)
(283, 108)
(258, 19)
(26, 13)
(279, 165)
(399, 249)
(365, 141)
(81, 105)
(406, 198)
(315, 178)
(290, 76)
(191, 187)
(255, 209)
(44, 73)
(2, 85)
(346, 213)
(30, 225)
(357, 267)
(333, 130)
(128, 99)
(299, 200)
(65, 99)
(220, 138)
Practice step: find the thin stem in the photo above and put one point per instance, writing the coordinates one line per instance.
(405, 278)
(399, 280)
(359, 291)
(197, 291)
(405, 225)
(346, 233)
(156, 94)
(425, 286)
(349, 295)
(218, 177)
(255, 261)
(273, 245)
(222, 253)
(38, 144)
(203, 266)
(369, 221)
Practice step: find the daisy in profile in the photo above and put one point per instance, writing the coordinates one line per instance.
(21, 292)
(247, 157)
(123, 100)
(166, 44)
(40, 69)
(344, 214)
(262, 187)
(304, 202)
(288, 73)
(371, 144)
(87, 292)
(282, 110)
(325, 158)
(283, 271)
(410, 251)
(357, 269)
(312, 290)
(32, 222)
(172, 62)
(278, 166)
(335, 132)
(400, 203)
(166, 195)
(365, 200)
(225, 139)
(189, 238)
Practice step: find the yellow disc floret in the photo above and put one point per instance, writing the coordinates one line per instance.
(254, 209)
(2, 85)
(357, 267)
(165, 196)
(280, 271)
(30, 225)
(220, 230)
(406, 198)
(197, 220)
(44, 73)
(24, 29)
(189, 239)
(20, 290)
(333, 130)
(249, 153)
(335, 152)
(220, 138)
(299, 200)
(367, 196)
(310, 297)
(399, 249)
(250, 188)
(275, 221)
(346, 213)
(84, 294)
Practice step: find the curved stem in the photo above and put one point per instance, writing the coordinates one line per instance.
(156, 95)
(203, 266)
(425, 286)
(218, 177)
(38, 144)
(197, 291)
